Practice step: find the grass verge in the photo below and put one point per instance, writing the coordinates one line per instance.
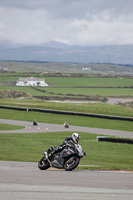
(10, 127)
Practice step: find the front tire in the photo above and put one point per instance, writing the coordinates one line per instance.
(43, 164)
(71, 163)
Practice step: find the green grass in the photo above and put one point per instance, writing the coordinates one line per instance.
(66, 85)
(30, 147)
(28, 90)
(87, 81)
(72, 120)
(10, 127)
(108, 92)
(99, 108)
(62, 92)
(73, 81)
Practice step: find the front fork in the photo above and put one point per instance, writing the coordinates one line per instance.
(46, 156)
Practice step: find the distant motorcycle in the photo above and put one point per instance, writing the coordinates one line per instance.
(34, 123)
(66, 126)
(67, 159)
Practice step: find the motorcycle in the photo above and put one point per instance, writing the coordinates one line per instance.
(67, 159)
(66, 126)
(34, 123)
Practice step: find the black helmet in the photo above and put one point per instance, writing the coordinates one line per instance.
(75, 137)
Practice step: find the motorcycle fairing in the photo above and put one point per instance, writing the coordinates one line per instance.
(68, 153)
(58, 160)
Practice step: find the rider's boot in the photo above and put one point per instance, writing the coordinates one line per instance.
(54, 150)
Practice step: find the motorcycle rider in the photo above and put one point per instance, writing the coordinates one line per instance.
(74, 139)
(68, 140)
(34, 123)
(66, 125)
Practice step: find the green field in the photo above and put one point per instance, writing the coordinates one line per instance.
(96, 108)
(28, 90)
(89, 81)
(30, 147)
(71, 92)
(74, 81)
(74, 87)
(90, 91)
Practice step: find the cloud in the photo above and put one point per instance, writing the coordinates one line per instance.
(93, 22)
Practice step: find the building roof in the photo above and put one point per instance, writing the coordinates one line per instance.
(31, 79)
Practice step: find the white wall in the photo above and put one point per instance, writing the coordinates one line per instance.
(32, 83)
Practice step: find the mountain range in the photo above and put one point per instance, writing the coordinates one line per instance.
(60, 52)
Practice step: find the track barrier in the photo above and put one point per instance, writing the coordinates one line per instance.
(116, 140)
(69, 113)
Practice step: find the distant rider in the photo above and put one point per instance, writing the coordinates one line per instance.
(34, 123)
(66, 125)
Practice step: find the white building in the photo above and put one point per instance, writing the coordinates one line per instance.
(31, 82)
(86, 68)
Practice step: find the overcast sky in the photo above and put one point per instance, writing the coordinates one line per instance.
(77, 22)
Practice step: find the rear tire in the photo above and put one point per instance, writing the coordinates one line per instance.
(71, 163)
(43, 164)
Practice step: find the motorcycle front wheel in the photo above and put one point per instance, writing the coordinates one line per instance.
(71, 163)
(43, 164)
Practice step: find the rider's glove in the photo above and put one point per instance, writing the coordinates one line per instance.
(85, 154)
(68, 145)
(63, 146)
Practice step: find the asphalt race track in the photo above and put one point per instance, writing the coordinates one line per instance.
(24, 181)
(44, 127)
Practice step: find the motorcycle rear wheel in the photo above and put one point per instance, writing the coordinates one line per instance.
(71, 163)
(43, 164)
